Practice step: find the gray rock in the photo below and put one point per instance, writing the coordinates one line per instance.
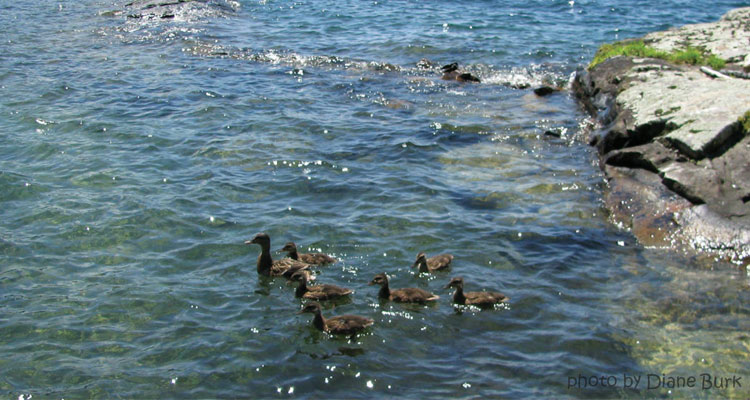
(698, 114)
(672, 142)
(651, 157)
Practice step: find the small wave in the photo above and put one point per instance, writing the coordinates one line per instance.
(528, 77)
(515, 77)
(164, 20)
(179, 10)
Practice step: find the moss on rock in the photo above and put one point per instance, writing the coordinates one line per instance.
(638, 48)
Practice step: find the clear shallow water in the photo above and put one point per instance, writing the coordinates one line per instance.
(138, 156)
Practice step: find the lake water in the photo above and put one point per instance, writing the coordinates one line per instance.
(138, 154)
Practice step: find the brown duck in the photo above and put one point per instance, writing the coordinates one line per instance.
(432, 264)
(270, 267)
(309, 258)
(317, 292)
(481, 299)
(345, 324)
(406, 295)
(450, 73)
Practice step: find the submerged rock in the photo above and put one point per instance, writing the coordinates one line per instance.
(545, 91)
(675, 140)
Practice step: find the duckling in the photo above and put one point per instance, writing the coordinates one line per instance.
(317, 292)
(481, 299)
(309, 258)
(345, 324)
(450, 73)
(406, 295)
(270, 267)
(432, 264)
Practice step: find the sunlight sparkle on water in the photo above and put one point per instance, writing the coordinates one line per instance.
(403, 314)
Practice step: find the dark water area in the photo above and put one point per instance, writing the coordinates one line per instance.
(138, 154)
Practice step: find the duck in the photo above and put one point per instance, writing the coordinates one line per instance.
(343, 324)
(432, 264)
(481, 299)
(406, 295)
(317, 292)
(268, 266)
(450, 73)
(309, 258)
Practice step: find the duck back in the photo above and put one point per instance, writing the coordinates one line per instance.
(347, 324)
(412, 295)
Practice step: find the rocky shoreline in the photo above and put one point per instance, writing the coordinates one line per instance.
(674, 139)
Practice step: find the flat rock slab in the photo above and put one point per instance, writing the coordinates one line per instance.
(700, 113)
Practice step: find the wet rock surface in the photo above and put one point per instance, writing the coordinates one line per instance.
(675, 140)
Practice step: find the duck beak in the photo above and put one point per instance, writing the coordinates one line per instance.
(371, 283)
(249, 242)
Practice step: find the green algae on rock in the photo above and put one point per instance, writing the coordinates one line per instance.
(637, 48)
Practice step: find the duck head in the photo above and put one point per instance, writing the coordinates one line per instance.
(311, 307)
(379, 279)
(456, 282)
(289, 246)
(262, 239)
(421, 258)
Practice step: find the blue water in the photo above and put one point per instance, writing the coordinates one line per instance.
(138, 154)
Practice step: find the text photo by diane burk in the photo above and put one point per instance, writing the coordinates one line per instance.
(703, 381)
